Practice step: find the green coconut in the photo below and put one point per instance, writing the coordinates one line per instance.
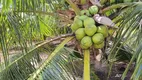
(83, 17)
(99, 46)
(76, 24)
(98, 38)
(86, 42)
(93, 9)
(74, 27)
(85, 12)
(90, 30)
(103, 29)
(89, 21)
(83, 47)
(79, 33)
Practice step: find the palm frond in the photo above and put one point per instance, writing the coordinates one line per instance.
(25, 64)
(128, 33)
(24, 21)
(61, 67)
(21, 67)
(138, 65)
(41, 71)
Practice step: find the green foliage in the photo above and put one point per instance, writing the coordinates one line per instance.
(127, 36)
(25, 21)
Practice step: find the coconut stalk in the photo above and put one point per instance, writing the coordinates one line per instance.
(74, 6)
(86, 65)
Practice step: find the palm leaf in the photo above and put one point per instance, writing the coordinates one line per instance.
(58, 68)
(21, 67)
(25, 64)
(128, 33)
(23, 21)
(138, 65)
(44, 65)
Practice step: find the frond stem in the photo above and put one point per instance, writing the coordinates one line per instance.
(115, 6)
(74, 6)
(86, 65)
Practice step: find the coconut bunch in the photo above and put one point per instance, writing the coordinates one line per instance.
(86, 32)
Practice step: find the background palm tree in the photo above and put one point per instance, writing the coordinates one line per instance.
(35, 26)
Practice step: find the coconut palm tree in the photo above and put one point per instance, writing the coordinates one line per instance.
(30, 28)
